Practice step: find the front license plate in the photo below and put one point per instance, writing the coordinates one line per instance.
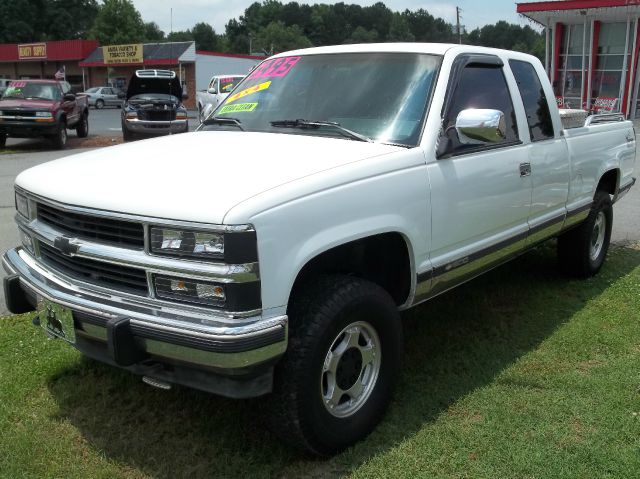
(57, 320)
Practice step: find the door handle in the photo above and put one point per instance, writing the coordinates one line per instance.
(525, 169)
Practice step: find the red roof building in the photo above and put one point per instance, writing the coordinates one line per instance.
(44, 59)
(591, 52)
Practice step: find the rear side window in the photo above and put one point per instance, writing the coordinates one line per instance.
(481, 86)
(534, 100)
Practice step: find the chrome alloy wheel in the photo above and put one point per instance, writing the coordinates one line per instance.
(597, 236)
(350, 370)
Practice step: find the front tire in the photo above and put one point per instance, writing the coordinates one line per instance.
(582, 250)
(59, 140)
(99, 104)
(335, 381)
(3, 140)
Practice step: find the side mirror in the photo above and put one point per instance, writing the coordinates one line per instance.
(477, 126)
(213, 91)
(69, 97)
(121, 95)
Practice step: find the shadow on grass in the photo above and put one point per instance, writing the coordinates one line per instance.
(454, 344)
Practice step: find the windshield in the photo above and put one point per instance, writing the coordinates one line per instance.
(228, 83)
(381, 96)
(39, 91)
(153, 97)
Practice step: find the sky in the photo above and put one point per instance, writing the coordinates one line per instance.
(186, 13)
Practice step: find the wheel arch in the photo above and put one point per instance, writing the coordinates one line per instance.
(609, 181)
(384, 258)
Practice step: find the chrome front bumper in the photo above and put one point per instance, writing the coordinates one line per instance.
(164, 333)
(156, 127)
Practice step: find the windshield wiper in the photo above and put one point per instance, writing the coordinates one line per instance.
(317, 124)
(219, 120)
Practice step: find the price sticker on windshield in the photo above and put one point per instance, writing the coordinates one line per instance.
(277, 67)
(248, 91)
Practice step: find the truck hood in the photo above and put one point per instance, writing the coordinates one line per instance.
(192, 176)
(27, 104)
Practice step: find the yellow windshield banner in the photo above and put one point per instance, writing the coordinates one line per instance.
(237, 107)
(248, 91)
(131, 53)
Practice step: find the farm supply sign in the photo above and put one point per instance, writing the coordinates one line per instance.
(122, 53)
(31, 51)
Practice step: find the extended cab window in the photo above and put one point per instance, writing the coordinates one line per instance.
(481, 87)
(534, 100)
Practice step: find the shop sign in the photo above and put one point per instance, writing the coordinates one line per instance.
(122, 53)
(32, 51)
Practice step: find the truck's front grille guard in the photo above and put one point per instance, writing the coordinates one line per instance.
(223, 273)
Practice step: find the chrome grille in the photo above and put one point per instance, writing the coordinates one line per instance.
(157, 115)
(107, 275)
(124, 233)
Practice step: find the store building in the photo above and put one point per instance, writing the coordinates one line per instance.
(44, 59)
(591, 52)
(113, 65)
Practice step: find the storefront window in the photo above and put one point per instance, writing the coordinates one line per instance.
(570, 68)
(608, 72)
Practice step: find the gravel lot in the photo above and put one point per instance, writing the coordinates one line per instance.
(106, 123)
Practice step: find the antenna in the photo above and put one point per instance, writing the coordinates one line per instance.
(458, 10)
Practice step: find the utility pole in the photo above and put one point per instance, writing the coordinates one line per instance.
(458, 10)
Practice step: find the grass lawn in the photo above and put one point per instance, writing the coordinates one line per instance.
(522, 373)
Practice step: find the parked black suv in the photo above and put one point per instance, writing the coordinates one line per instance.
(153, 105)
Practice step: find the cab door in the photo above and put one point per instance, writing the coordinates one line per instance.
(548, 155)
(480, 201)
(69, 106)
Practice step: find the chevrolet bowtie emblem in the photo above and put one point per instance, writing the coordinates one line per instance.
(65, 246)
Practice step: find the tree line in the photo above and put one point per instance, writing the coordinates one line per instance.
(265, 27)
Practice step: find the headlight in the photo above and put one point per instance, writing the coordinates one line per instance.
(132, 114)
(189, 290)
(181, 115)
(22, 205)
(196, 244)
(44, 114)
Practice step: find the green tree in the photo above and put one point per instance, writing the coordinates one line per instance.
(205, 37)
(30, 20)
(118, 22)
(18, 21)
(180, 36)
(362, 35)
(277, 37)
(71, 18)
(399, 30)
(152, 32)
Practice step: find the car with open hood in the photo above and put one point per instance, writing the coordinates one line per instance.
(153, 105)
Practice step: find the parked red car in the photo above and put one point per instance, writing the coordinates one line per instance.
(32, 108)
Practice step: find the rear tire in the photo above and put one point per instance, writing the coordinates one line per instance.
(336, 379)
(59, 140)
(82, 130)
(582, 250)
(3, 140)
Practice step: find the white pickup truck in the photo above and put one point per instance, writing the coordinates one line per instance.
(219, 88)
(348, 183)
